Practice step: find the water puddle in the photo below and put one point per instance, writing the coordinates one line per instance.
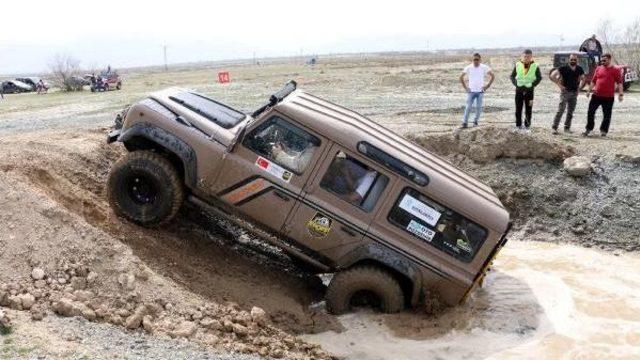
(541, 301)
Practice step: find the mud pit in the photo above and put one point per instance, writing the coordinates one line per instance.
(541, 300)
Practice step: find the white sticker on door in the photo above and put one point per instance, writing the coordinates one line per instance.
(274, 169)
(420, 230)
(419, 209)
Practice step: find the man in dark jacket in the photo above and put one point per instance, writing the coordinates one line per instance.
(525, 77)
(570, 79)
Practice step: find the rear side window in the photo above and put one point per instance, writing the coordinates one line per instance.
(220, 114)
(435, 224)
(354, 182)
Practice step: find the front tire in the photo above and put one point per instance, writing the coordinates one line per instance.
(145, 188)
(364, 279)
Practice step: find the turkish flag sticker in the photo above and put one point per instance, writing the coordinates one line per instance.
(262, 162)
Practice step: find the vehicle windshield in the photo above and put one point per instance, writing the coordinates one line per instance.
(220, 114)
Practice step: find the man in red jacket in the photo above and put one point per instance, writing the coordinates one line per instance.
(606, 80)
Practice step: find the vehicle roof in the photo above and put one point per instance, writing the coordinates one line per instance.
(447, 184)
(571, 52)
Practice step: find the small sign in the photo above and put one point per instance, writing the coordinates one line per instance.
(419, 209)
(421, 231)
(274, 169)
(223, 77)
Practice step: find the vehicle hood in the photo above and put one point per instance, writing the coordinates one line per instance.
(213, 130)
(20, 84)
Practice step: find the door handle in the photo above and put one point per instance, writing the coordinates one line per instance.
(281, 195)
(348, 231)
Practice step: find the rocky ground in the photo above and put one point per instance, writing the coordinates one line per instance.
(64, 253)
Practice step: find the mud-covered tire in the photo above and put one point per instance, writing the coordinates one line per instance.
(145, 188)
(364, 278)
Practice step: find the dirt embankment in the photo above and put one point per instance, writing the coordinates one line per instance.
(64, 251)
(601, 209)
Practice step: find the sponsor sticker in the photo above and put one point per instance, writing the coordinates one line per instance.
(274, 169)
(419, 209)
(421, 231)
(320, 225)
(464, 245)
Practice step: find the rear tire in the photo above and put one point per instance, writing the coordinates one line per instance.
(626, 86)
(374, 280)
(145, 188)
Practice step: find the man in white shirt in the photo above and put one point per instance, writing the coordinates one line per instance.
(475, 87)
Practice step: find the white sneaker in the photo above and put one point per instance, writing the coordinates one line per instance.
(526, 131)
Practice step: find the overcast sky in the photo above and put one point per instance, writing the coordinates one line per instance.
(132, 32)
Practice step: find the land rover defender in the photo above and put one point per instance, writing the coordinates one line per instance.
(336, 191)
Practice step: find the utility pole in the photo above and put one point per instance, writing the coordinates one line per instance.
(166, 67)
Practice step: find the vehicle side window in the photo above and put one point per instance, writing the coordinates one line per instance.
(283, 143)
(354, 182)
(437, 225)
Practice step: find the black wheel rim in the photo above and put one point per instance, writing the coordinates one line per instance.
(141, 189)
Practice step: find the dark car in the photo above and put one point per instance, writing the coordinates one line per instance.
(32, 81)
(14, 87)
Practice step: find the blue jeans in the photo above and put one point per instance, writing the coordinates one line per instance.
(471, 96)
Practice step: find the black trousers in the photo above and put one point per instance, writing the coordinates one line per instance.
(524, 97)
(607, 107)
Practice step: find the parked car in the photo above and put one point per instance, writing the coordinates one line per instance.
(77, 82)
(336, 191)
(33, 82)
(107, 80)
(14, 87)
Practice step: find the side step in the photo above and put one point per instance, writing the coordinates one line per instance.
(273, 240)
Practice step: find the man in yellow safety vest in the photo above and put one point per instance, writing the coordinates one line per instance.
(525, 77)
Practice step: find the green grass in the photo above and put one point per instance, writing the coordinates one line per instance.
(5, 330)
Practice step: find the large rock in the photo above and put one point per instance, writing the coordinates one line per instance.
(37, 274)
(258, 316)
(577, 165)
(135, 320)
(186, 329)
(27, 301)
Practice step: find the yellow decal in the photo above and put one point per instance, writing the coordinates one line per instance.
(319, 226)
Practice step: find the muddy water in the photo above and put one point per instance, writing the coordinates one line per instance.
(541, 301)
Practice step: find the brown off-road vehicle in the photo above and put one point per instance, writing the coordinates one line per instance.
(335, 190)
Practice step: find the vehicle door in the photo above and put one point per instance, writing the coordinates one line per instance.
(339, 203)
(264, 175)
